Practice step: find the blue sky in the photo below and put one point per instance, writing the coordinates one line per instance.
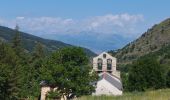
(100, 25)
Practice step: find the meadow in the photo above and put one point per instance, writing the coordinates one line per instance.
(162, 94)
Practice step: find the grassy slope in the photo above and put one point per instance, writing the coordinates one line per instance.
(163, 94)
(152, 40)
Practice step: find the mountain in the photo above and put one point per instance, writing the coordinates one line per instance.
(98, 42)
(29, 41)
(154, 40)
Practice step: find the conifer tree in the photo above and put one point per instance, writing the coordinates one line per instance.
(31, 75)
(16, 42)
(9, 83)
(38, 51)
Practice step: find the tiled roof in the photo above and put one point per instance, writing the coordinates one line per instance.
(111, 79)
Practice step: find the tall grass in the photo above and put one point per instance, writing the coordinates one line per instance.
(163, 94)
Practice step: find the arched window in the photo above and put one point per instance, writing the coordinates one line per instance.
(109, 64)
(100, 63)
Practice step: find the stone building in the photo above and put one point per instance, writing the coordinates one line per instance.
(109, 82)
(45, 88)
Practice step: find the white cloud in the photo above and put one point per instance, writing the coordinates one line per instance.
(122, 24)
(20, 18)
(113, 24)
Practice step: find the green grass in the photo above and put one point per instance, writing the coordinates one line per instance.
(163, 94)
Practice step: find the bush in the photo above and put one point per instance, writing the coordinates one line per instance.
(168, 79)
(54, 95)
(146, 73)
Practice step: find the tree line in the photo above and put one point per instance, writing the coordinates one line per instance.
(146, 73)
(22, 71)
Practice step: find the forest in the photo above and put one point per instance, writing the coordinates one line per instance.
(22, 71)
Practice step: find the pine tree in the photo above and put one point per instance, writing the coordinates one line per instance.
(38, 51)
(31, 71)
(16, 42)
(8, 77)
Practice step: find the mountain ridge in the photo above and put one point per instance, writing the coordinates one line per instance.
(29, 41)
(152, 40)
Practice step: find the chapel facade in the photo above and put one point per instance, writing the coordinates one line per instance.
(109, 82)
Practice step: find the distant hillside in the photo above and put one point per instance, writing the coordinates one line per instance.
(156, 38)
(29, 41)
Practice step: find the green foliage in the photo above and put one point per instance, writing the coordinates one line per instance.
(54, 95)
(124, 77)
(19, 76)
(23, 67)
(168, 79)
(9, 87)
(38, 51)
(70, 72)
(16, 43)
(31, 75)
(146, 73)
(160, 58)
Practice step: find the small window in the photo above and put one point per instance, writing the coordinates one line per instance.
(104, 55)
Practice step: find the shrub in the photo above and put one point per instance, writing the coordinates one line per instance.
(146, 73)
